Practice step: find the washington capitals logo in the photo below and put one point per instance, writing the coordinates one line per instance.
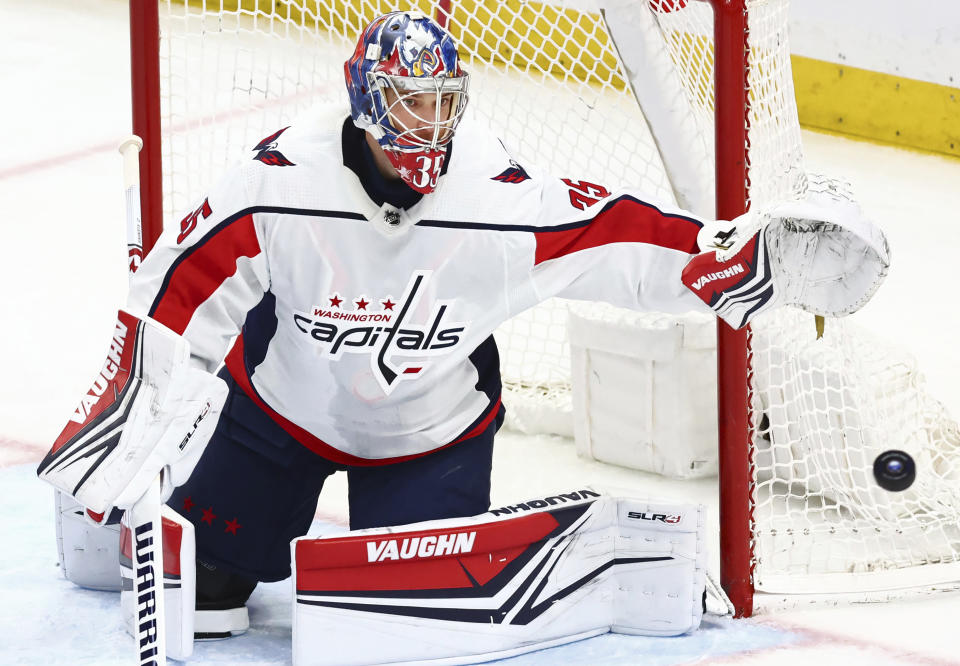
(267, 153)
(514, 174)
(383, 332)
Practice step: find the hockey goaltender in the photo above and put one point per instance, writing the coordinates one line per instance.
(329, 306)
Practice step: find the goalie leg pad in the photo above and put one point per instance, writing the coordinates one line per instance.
(666, 599)
(516, 579)
(88, 553)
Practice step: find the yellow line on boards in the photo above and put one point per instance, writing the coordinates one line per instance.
(876, 106)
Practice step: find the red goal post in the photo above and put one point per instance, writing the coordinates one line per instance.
(734, 434)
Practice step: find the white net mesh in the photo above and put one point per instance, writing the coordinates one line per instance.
(547, 78)
(826, 409)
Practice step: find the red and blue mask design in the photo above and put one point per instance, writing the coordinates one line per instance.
(408, 90)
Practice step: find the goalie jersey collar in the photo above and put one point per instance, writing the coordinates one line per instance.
(358, 157)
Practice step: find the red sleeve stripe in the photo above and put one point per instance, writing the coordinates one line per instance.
(199, 272)
(623, 220)
(237, 369)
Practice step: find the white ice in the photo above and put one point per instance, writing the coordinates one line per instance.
(66, 105)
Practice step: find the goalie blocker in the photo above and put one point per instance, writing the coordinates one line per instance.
(148, 411)
(513, 580)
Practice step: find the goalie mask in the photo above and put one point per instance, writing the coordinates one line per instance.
(408, 90)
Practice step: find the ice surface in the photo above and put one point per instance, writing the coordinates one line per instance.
(44, 619)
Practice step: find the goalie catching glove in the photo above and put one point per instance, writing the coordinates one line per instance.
(148, 411)
(820, 254)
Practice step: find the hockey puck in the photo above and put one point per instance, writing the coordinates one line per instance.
(894, 470)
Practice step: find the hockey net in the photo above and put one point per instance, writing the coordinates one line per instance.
(549, 79)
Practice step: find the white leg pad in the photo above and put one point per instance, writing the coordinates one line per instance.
(88, 552)
(666, 599)
(521, 578)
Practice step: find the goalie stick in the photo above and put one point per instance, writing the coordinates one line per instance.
(137, 433)
(143, 518)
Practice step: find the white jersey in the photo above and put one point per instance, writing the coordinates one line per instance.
(365, 330)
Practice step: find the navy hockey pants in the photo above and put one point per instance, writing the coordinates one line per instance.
(256, 488)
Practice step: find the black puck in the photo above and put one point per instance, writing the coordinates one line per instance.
(894, 470)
